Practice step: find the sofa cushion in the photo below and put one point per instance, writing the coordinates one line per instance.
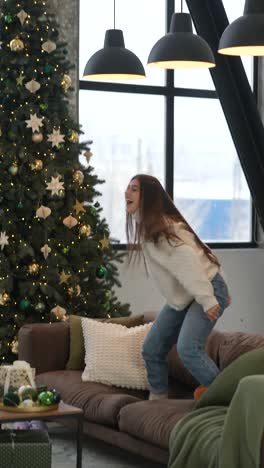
(77, 351)
(35, 338)
(222, 389)
(152, 421)
(113, 354)
(101, 404)
(234, 344)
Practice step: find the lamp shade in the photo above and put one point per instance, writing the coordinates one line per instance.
(114, 61)
(245, 36)
(180, 48)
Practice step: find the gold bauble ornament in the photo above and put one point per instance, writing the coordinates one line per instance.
(37, 137)
(61, 193)
(66, 82)
(74, 138)
(13, 170)
(78, 176)
(4, 298)
(16, 45)
(74, 291)
(33, 268)
(85, 230)
(14, 346)
(37, 165)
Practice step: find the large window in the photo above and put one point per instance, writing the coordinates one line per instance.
(127, 123)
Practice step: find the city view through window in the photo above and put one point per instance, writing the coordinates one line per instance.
(128, 130)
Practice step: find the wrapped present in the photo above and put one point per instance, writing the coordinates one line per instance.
(20, 449)
(20, 373)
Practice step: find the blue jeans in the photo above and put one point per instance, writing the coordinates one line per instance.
(189, 329)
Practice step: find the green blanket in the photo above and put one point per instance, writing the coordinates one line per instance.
(222, 436)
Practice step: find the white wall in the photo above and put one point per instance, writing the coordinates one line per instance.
(244, 271)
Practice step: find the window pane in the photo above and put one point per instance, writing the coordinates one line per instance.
(128, 138)
(199, 78)
(142, 23)
(209, 185)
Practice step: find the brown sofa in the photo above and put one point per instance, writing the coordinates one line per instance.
(122, 417)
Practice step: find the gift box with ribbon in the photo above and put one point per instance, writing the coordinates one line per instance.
(20, 449)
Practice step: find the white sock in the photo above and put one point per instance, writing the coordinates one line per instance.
(158, 396)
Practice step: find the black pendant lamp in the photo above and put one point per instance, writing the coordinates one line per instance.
(180, 48)
(114, 61)
(245, 36)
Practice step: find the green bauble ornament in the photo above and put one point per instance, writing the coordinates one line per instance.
(29, 394)
(12, 135)
(24, 304)
(48, 69)
(40, 307)
(66, 250)
(43, 106)
(46, 398)
(101, 272)
(8, 18)
(11, 399)
(42, 19)
(56, 396)
(93, 210)
(20, 205)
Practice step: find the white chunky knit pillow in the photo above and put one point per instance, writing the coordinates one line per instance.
(113, 354)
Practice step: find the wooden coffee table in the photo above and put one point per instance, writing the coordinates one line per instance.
(63, 411)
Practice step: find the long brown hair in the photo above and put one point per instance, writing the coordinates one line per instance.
(156, 213)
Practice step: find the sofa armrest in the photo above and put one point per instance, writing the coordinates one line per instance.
(44, 345)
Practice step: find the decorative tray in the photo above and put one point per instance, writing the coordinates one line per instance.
(31, 409)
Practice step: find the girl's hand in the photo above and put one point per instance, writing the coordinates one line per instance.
(213, 312)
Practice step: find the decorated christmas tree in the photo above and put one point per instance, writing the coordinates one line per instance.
(55, 252)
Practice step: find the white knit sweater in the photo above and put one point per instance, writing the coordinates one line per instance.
(181, 269)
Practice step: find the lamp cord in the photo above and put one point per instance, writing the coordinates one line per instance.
(181, 6)
(114, 14)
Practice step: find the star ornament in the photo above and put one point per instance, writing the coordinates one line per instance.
(20, 79)
(55, 185)
(3, 240)
(56, 137)
(78, 207)
(45, 250)
(64, 277)
(34, 122)
(104, 243)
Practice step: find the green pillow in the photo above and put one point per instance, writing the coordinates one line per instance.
(77, 351)
(222, 389)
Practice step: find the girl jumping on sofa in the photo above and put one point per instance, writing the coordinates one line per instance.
(187, 274)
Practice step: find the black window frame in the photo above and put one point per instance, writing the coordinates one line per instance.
(169, 91)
